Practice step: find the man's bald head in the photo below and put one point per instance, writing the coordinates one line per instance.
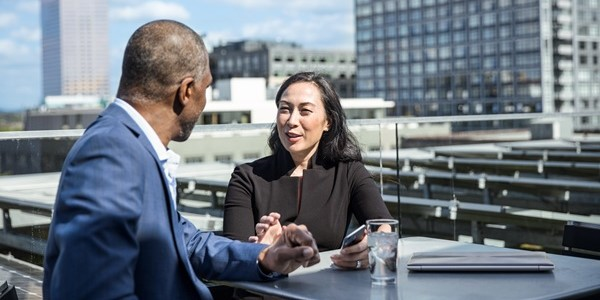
(157, 57)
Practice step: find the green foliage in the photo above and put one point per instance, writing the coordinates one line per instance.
(11, 121)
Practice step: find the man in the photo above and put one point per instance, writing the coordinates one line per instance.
(115, 231)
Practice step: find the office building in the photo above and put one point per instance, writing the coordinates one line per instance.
(75, 49)
(276, 61)
(449, 57)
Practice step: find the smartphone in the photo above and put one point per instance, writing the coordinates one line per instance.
(354, 237)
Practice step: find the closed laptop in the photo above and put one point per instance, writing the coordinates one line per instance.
(512, 261)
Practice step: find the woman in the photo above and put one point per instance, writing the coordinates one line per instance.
(314, 177)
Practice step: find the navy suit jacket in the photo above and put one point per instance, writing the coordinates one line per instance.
(115, 233)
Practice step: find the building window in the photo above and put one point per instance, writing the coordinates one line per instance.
(224, 158)
(415, 3)
(529, 14)
(488, 5)
(505, 31)
(506, 16)
(505, 61)
(504, 3)
(489, 19)
(194, 159)
(444, 38)
(489, 33)
(429, 13)
(474, 63)
(474, 21)
(442, 10)
(253, 155)
(430, 27)
(458, 9)
(473, 6)
(459, 36)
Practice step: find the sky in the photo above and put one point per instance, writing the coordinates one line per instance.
(314, 24)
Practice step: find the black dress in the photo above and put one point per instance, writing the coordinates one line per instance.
(324, 199)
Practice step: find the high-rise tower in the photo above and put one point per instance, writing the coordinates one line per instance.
(75, 51)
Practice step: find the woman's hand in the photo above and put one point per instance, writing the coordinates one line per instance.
(268, 229)
(353, 257)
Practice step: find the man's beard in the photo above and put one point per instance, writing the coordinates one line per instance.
(186, 130)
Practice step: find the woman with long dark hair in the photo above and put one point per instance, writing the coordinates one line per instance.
(314, 176)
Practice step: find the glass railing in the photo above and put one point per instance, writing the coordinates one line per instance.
(508, 180)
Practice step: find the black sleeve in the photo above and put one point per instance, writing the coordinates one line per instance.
(238, 218)
(365, 197)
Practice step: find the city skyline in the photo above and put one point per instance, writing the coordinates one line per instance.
(218, 21)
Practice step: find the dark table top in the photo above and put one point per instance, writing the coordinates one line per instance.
(572, 277)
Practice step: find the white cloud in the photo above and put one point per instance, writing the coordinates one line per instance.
(311, 23)
(291, 4)
(216, 38)
(307, 31)
(27, 34)
(251, 3)
(150, 10)
(7, 19)
(9, 48)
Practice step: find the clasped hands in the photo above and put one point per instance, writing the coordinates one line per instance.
(269, 229)
(290, 247)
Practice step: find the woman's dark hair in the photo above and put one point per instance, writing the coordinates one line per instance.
(338, 143)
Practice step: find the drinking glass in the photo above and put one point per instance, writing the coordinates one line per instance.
(383, 250)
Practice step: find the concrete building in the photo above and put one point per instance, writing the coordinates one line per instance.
(75, 50)
(442, 57)
(246, 100)
(275, 61)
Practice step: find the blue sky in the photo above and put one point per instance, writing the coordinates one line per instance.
(319, 24)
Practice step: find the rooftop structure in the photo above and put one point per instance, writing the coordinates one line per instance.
(275, 61)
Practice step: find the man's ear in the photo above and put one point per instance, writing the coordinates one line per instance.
(185, 91)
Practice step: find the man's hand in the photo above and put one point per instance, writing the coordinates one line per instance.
(295, 247)
(268, 229)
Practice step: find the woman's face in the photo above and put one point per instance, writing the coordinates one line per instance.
(301, 119)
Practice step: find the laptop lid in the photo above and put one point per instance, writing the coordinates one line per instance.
(512, 261)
